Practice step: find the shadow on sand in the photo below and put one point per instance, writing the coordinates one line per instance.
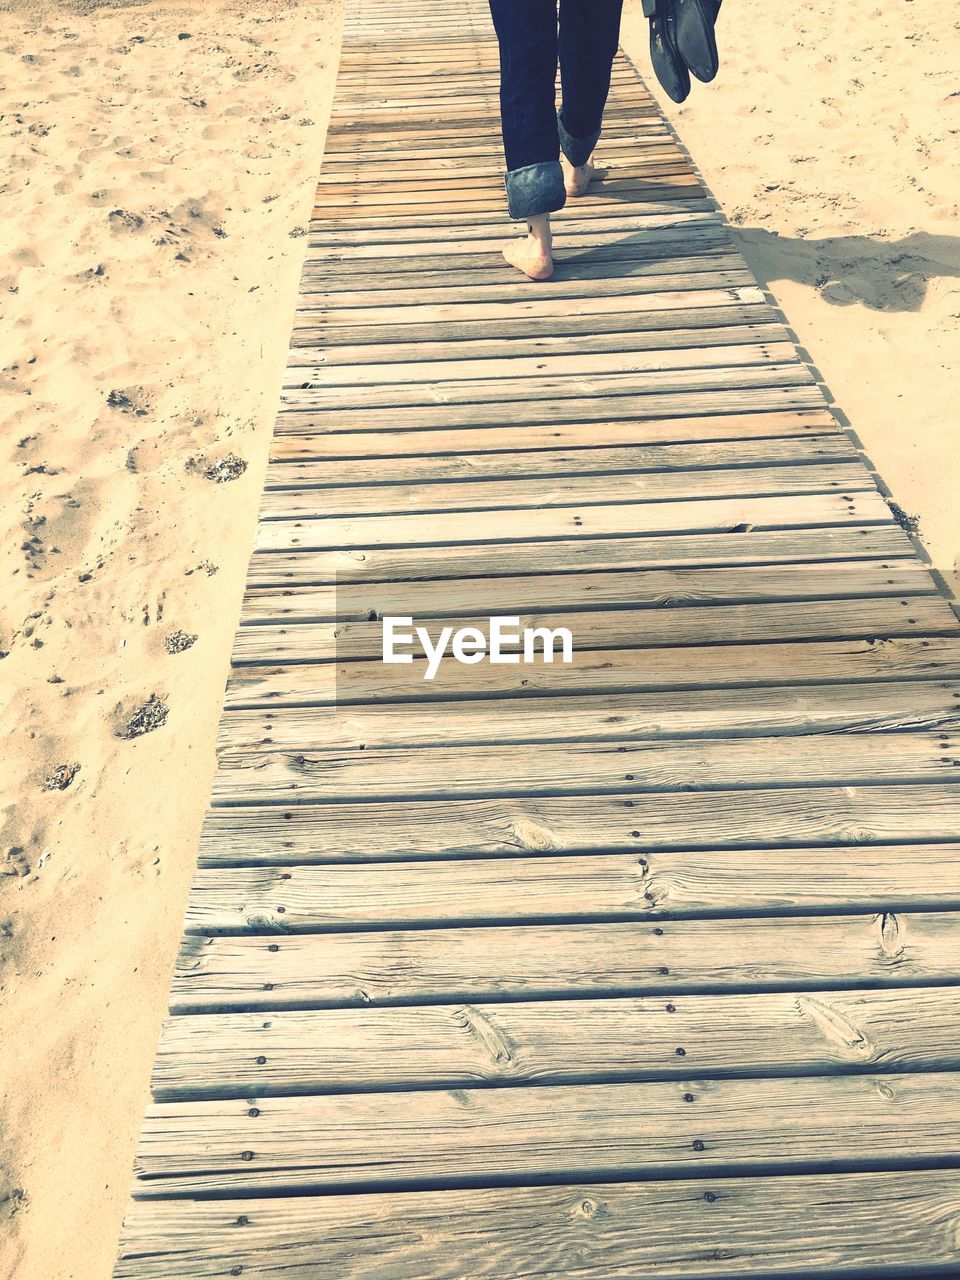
(886, 275)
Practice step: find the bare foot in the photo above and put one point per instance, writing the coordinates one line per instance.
(533, 255)
(576, 180)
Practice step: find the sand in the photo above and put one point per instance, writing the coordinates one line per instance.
(157, 165)
(155, 190)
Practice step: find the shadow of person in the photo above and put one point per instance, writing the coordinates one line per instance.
(885, 275)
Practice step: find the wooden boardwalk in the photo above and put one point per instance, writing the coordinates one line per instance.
(643, 966)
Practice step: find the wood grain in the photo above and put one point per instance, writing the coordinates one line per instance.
(579, 488)
(556, 1041)
(574, 768)
(596, 630)
(489, 1136)
(572, 519)
(667, 588)
(602, 671)
(610, 823)
(287, 569)
(869, 708)
(895, 1223)
(490, 963)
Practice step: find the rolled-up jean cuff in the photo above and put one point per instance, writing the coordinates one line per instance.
(536, 188)
(577, 150)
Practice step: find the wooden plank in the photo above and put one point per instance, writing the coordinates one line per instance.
(880, 1224)
(446, 598)
(709, 270)
(449, 223)
(690, 231)
(557, 1041)
(597, 629)
(799, 816)
(304, 420)
(302, 773)
(487, 1137)
(667, 275)
(470, 113)
(419, 468)
(597, 433)
(474, 105)
(654, 165)
(404, 966)
(707, 251)
(368, 382)
(388, 326)
(874, 708)
(486, 162)
(315, 362)
(527, 524)
(779, 372)
(677, 224)
(732, 546)
(360, 147)
(470, 119)
(307, 899)
(573, 488)
(603, 671)
(672, 183)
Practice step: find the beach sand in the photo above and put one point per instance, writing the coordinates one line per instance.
(157, 166)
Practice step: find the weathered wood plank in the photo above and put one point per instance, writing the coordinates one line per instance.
(439, 598)
(601, 671)
(593, 630)
(672, 182)
(632, 156)
(729, 547)
(525, 524)
(880, 1224)
(557, 1041)
(636, 278)
(488, 1136)
(523, 315)
(530, 322)
(784, 370)
(300, 421)
(306, 899)
(580, 258)
(403, 966)
(873, 708)
(403, 441)
(710, 269)
(762, 454)
(276, 774)
(800, 816)
(371, 362)
(448, 224)
(691, 232)
(644, 167)
(564, 490)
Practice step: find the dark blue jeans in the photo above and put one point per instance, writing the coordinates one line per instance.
(532, 40)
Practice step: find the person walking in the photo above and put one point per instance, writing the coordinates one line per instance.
(548, 152)
(535, 134)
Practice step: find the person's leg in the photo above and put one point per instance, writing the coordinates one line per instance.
(527, 32)
(589, 34)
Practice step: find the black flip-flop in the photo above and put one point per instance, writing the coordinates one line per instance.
(696, 40)
(668, 65)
